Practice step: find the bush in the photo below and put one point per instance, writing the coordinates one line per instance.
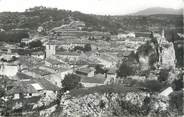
(163, 75)
(176, 102)
(13, 36)
(35, 44)
(178, 84)
(100, 70)
(87, 47)
(124, 70)
(153, 85)
(71, 81)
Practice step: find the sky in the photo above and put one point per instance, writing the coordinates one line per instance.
(100, 7)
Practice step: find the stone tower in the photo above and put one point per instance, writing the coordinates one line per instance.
(163, 33)
(50, 50)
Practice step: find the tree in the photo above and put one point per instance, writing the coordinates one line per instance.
(22, 44)
(71, 81)
(124, 70)
(87, 47)
(178, 84)
(2, 92)
(99, 69)
(153, 85)
(176, 102)
(108, 38)
(34, 44)
(13, 36)
(163, 75)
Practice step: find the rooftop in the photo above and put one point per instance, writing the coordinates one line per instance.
(84, 70)
(53, 61)
(32, 86)
(98, 78)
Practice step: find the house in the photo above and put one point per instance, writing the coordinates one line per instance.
(8, 69)
(37, 73)
(32, 88)
(30, 62)
(39, 54)
(87, 72)
(57, 77)
(53, 62)
(111, 73)
(26, 40)
(69, 55)
(126, 35)
(142, 34)
(9, 57)
(166, 92)
(107, 60)
(96, 80)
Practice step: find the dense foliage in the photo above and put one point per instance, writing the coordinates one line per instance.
(163, 75)
(71, 81)
(99, 69)
(125, 70)
(13, 36)
(34, 44)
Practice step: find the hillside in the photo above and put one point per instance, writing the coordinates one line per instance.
(158, 10)
(32, 18)
(49, 18)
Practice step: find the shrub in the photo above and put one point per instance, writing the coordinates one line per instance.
(163, 75)
(153, 85)
(124, 70)
(71, 81)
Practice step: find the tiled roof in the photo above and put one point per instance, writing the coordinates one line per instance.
(40, 72)
(53, 61)
(84, 70)
(68, 53)
(22, 76)
(28, 87)
(99, 78)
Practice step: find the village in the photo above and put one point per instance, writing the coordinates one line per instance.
(34, 79)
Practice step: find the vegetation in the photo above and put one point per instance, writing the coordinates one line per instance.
(178, 83)
(2, 92)
(153, 85)
(99, 69)
(52, 17)
(176, 102)
(13, 36)
(163, 75)
(87, 47)
(113, 88)
(124, 70)
(35, 44)
(71, 81)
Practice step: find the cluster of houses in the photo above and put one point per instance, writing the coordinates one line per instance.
(41, 72)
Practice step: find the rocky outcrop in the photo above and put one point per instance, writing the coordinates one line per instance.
(167, 55)
(157, 53)
(109, 105)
